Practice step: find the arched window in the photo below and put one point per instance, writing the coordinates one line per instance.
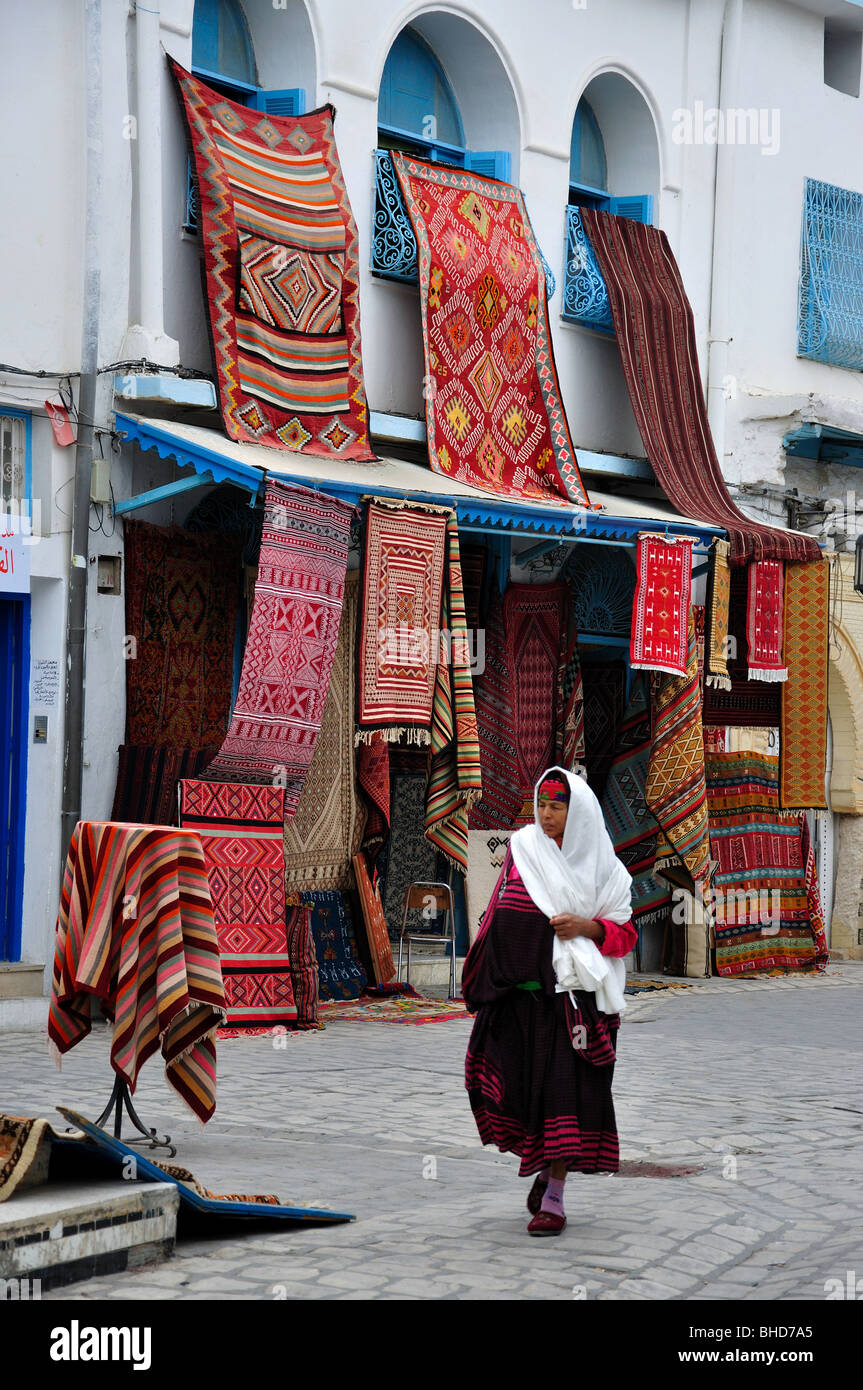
(417, 110)
(222, 47)
(588, 170)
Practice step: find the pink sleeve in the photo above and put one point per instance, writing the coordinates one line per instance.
(618, 940)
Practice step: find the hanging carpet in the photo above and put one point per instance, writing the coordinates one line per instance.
(324, 833)
(718, 597)
(291, 643)
(746, 703)
(660, 612)
(182, 592)
(675, 791)
(533, 618)
(656, 336)
(405, 557)
(135, 932)
(455, 782)
(764, 603)
(494, 415)
(768, 914)
(495, 716)
(281, 275)
(803, 743)
(303, 959)
(412, 858)
(474, 571)
(147, 781)
(631, 825)
(604, 708)
(570, 748)
(486, 851)
(373, 780)
(340, 973)
(241, 833)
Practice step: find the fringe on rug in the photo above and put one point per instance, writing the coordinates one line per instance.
(718, 682)
(394, 734)
(398, 504)
(758, 673)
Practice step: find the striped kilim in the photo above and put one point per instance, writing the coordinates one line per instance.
(675, 790)
(533, 617)
(324, 833)
(494, 417)
(282, 285)
(718, 597)
(803, 742)
(767, 907)
(291, 643)
(135, 931)
(405, 556)
(241, 830)
(631, 825)
(660, 610)
(495, 716)
(455, 780)
(655, 333)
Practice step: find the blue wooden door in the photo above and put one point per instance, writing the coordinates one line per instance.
(14, 685)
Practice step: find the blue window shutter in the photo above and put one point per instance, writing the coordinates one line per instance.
(638, 208)
(291, 101)
(491, 164)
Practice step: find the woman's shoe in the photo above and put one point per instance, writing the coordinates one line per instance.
(536, 1194)
(546, 1223)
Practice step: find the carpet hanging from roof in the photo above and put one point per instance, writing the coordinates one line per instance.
(716, 620)
(744, 703)
(405, 558)
(324, 833)
(803, 742)
(768, 911)
(455, 779)
(656, 336)
(182, 593)
(570, 747)
(675, 790)
(495, 716)
(241, 829)
(660, 611)
(291, 643)
(764, 603)
(631, 824)
(494, 414)
(533, 617)
(281, 275)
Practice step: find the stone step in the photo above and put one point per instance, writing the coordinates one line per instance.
(64, 1232)
(25, 1015)
(21, 980)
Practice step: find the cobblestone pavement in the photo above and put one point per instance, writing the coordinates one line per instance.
(756, 1086)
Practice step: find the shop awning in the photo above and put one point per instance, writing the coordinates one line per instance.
(216, 458)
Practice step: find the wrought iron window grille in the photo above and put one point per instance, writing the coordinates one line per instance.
(830, 322)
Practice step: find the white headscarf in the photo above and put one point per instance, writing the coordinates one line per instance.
(582, 876)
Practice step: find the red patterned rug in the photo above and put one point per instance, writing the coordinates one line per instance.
(764, 605)
(660, 611)
(182, 593)
(373, 780)
(241, 830)
(803, 745)
(147, 781)
(291, 643)
(743, 703)
(494, 416)
(533, 617)
(282, 284)
(402, 586)
(656, 337)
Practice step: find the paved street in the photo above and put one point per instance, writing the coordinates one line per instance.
(755, 1088)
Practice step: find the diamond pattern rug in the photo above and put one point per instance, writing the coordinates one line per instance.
(803, 742)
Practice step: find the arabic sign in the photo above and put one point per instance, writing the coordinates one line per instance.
(14, 557)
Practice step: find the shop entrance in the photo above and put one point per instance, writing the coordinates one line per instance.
(14, 666)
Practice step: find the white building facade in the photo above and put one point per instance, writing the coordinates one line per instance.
(732, 124)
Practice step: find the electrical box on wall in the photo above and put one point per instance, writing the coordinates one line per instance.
(108, 574)
(100, 481)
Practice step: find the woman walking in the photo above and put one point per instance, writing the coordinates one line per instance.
(541, 1054)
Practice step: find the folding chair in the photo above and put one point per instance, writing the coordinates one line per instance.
(420, 897)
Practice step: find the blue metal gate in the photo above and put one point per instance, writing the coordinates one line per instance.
(14, 689)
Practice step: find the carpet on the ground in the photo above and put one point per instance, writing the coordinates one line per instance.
(395, 1009)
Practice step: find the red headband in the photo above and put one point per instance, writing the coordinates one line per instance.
(553, 789)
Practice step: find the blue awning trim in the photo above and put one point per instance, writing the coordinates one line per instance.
(503, 517)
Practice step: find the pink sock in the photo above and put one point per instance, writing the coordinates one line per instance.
(553, 1198)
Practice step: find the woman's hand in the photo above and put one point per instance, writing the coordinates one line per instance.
(567, 925)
